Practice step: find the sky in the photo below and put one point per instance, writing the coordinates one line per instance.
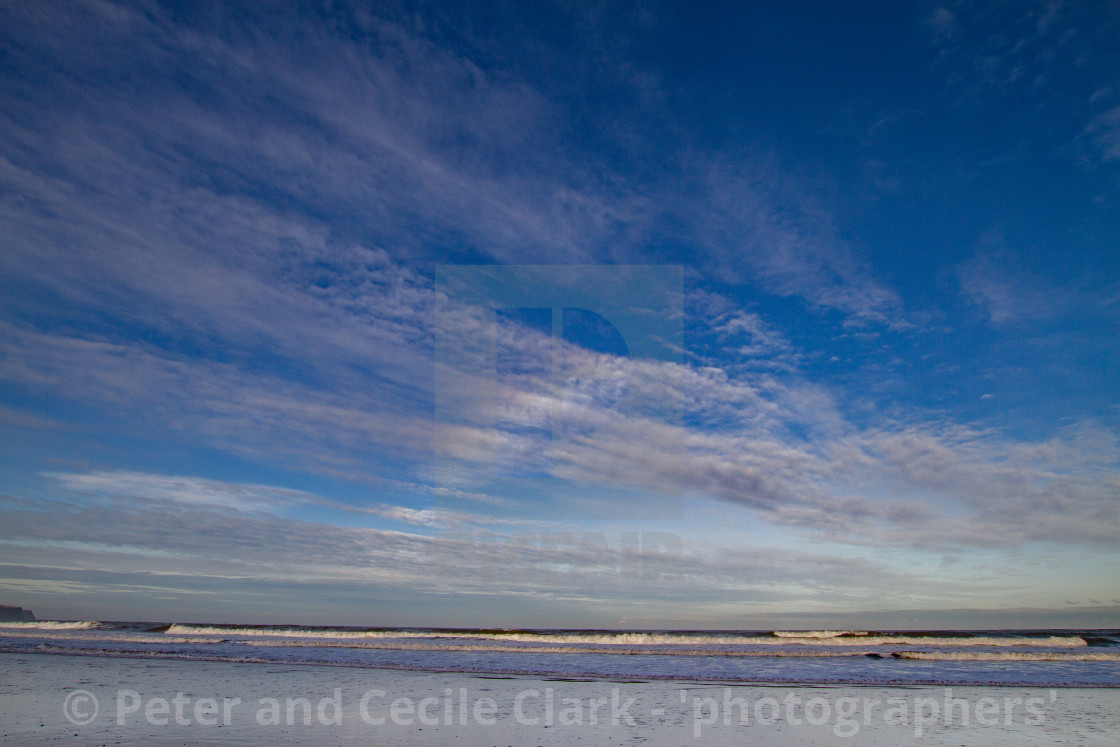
(563, 315)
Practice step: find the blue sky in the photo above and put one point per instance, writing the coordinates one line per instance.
(561, 315)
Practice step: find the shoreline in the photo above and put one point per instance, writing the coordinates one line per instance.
(551, 675)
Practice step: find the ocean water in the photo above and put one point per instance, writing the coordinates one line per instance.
(1044, 658)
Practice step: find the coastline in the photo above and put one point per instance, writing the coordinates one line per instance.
(468, 670)
(1028, 658)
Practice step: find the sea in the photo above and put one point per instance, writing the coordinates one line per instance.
(1035, 658)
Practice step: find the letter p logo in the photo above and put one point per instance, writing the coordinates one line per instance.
(553, 384)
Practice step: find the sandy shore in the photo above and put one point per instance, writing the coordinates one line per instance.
(84, 700)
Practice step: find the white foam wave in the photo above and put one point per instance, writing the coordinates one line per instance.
(786, 638)
(626, 639)
(522, 637)
(226, 632)
(499, 648)
(49, 625)
(818, 633)
(863, 640)
(598, 639)
(962, 642)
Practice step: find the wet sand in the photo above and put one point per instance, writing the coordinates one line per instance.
(87, 700)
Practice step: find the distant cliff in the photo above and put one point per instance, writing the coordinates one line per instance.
(15, 614)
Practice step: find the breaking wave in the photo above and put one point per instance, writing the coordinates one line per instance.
(500, 648)
(606, 638)
(49, 625)
(817, 633)
(1027, 656)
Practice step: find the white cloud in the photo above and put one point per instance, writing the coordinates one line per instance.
(783, 448)
(993, 281)
(759, 224)
(190, 491)
(137, 543)
(943, 25)
(1104, 130)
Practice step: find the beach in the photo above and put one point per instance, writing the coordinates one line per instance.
(93, 700)
(103, 682)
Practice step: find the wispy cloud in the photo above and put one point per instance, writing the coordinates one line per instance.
(20, 419)
(220, 240)
(1002, 302)
(998, 46)
(138, 543)
(784, 449)
(224, 404)
(188, 491)
(1104, 131)
(759, 225)
(994, 283)
(943, 25)
(781, 447)
(1043, 62)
